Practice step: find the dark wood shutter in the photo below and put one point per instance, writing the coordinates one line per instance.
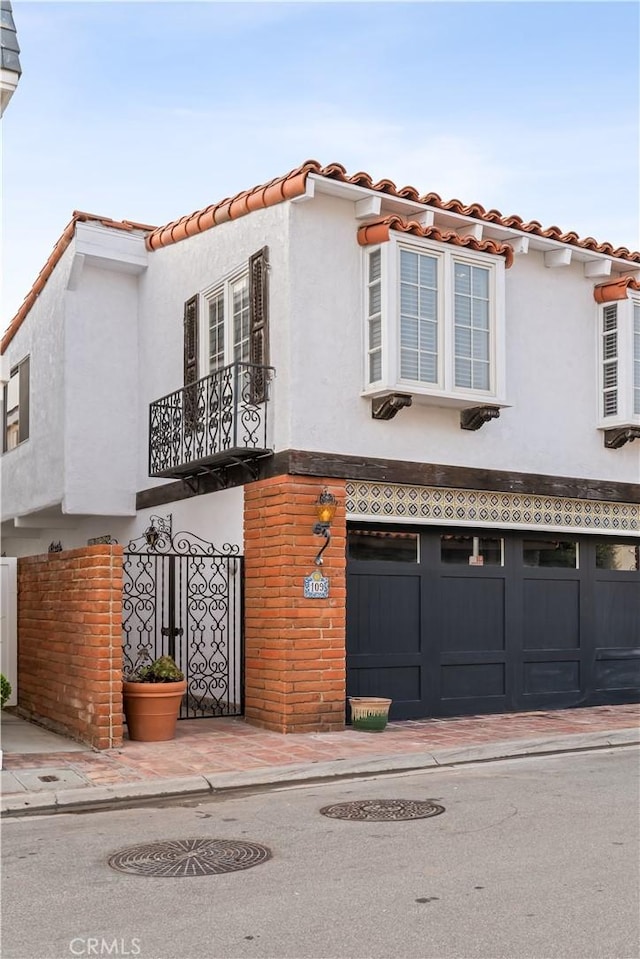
(5, 397)
(191, 341)
(259, 322)
(190, 408)
(23, 400)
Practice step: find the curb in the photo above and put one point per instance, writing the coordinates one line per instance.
(134, 793)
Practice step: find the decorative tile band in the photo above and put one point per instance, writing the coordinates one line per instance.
(432, 504)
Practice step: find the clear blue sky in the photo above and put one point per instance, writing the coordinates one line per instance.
(150, 110)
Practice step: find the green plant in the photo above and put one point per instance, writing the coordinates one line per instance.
(5, 689)
(162, 670)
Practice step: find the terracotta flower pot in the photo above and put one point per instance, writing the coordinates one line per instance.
(151, 710)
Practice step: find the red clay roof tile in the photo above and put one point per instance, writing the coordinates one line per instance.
(379, 231)
(291, 185)
(294, 184)
(617, 289)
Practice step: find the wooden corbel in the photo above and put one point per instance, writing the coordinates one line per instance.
(477, 416)
(614, 439)
(386, 407)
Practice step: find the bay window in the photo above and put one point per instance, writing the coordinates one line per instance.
(619, 363)
(434, 323)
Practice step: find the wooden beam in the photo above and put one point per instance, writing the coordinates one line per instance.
(305, 463)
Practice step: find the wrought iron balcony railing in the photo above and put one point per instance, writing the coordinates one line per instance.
(218, 420)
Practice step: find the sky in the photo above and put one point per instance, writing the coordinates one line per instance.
(147, 111)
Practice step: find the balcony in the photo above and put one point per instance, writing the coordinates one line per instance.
(217, 421)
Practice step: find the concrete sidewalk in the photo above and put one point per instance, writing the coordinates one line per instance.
(210, 755)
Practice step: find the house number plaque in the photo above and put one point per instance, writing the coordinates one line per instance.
(316, 586)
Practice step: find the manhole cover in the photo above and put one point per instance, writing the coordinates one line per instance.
(383, 810)
(175, 858)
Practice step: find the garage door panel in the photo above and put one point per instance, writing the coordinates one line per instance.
(400, 683)
(472, 681)
(551, 614)
(472, 613)
(618, 672)
(384, 614)
(551, 677)
(617, 606)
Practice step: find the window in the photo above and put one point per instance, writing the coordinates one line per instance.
(228, 323)
(636, 358)
(382, 546)
(471, 550)
(619, 556)
(16, 406)
(619, 363)
(556, 553)
(434, 322)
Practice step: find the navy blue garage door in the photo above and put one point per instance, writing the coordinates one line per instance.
(453, 622)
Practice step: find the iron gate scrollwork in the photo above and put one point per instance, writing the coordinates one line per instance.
(182, 597)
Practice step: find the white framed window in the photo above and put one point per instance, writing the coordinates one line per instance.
(227, 322)
(636, 358)
(619, 363)
(434, 324)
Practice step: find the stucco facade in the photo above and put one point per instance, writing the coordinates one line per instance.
(106, 337)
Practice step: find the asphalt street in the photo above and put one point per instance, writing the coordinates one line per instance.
(533, 858)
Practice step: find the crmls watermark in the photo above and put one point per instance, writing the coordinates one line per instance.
(93, 946)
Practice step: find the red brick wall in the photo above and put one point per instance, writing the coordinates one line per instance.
(295, 647)
(70, 642)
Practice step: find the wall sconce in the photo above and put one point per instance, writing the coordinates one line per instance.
(326, 506)
(157, 528)
(152, 535)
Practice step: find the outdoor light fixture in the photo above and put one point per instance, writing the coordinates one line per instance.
(157, 528)
(152, 535)
(326, 505)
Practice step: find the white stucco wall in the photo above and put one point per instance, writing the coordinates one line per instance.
(551, 323)
(33, 472)
(215, 517)
(101, 391)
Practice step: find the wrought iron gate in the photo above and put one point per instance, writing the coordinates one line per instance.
(183, 598)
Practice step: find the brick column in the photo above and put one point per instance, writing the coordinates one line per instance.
(295, 647)
(70, 642)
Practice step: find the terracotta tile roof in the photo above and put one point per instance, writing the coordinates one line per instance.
(617, 289)
(379, 231)
(269, 194)
(294, 184)
(56, 254)
(287, 187)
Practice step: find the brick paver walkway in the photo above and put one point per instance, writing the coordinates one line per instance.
(231, 745)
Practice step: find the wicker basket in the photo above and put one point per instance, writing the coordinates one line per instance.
(369, 713)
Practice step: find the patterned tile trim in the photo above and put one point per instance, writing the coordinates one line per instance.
(431, 504)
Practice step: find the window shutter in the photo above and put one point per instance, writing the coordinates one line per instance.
(191, 341)
(610, 360)
(259, 322)
(190, 362)
(5, 397)
(23, 387)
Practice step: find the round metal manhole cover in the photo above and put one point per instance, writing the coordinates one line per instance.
(383, 810)
(175, 858)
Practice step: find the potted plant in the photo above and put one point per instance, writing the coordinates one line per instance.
(152, 695)
(369, 713)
